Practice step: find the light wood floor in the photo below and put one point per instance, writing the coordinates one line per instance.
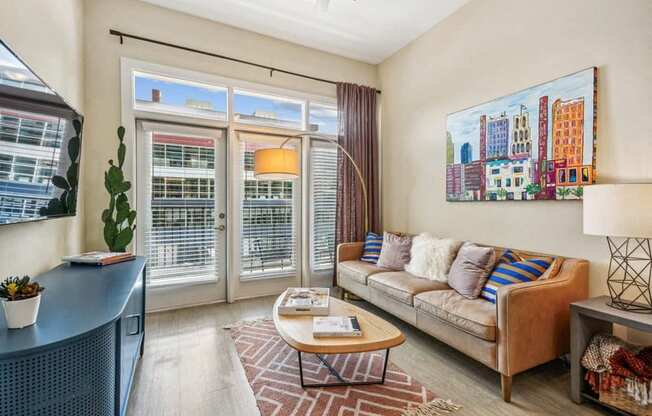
(190, 367)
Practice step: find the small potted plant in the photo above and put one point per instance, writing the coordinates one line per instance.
(21, 300)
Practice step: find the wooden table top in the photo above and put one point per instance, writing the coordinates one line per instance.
(377, 334)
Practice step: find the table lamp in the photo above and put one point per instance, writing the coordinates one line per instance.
(623, 213)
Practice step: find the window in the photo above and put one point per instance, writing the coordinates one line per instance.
(323, 118)
(518, 169)
(167, 95)
(180, 242)
(323, 191)
(253, 108)
(572, 175)
(267, 223)
(508, 182)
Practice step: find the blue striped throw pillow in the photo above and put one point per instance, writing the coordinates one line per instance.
(516, 272)
(509, 257)
(372, 245)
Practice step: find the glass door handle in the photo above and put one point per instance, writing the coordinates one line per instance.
(220, 228)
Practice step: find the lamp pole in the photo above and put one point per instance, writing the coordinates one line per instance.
(355, 167)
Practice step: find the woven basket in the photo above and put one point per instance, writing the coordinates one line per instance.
(620, 400)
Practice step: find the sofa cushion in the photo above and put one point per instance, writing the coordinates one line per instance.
(357, 270)
(431, 257)
(471, 269)
(510, 273)
(402, 286)
(372, 245)
(474, 316)
(509, 256)
(395, 253)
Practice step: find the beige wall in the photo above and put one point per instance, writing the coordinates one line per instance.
(48, 36)
(103, 53)
(492, 48)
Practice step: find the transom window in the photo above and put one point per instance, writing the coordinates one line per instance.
(167, 95)
(254, 108)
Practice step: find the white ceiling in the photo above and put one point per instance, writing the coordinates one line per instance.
(366, 30)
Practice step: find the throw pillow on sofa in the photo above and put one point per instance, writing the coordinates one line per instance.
(518, 272)
(372, 245)
(470, 270)
(509, 256)
(431, 257)
(395, 253)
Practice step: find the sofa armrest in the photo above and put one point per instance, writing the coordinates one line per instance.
(533, 318)
(349, 251)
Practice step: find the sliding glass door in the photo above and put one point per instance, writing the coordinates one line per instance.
(182, 208)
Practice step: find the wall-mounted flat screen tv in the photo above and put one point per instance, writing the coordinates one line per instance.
(40, 146)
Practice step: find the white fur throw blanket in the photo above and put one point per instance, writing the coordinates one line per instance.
(432, 257)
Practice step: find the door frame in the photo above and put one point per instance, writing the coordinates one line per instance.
(167, 296)
(129, 115)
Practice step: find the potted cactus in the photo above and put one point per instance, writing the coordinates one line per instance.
(119, 219)
(21, 300)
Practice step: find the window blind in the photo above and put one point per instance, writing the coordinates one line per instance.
(323, 190)
(267, 223)
(180, 241)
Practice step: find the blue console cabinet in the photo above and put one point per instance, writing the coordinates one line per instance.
(80, 356)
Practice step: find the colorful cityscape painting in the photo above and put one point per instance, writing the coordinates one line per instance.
(536, 144)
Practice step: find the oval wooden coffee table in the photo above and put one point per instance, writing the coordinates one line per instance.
(377, 334)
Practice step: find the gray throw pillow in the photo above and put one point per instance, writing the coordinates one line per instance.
(470, 270)
(395, 253)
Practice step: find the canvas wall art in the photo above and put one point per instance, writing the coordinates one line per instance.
(536, 144)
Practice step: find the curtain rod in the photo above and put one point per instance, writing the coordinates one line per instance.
(271, 69)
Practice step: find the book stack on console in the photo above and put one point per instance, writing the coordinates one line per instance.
(99, 258)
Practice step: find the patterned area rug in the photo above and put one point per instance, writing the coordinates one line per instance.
(272, 369)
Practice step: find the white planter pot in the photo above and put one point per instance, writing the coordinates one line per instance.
(21, 313)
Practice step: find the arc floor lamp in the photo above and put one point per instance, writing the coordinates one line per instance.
(279, 163)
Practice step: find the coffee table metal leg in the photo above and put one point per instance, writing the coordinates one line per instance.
(382, 381)
(330, 368)
(301, 370)
(342, 381)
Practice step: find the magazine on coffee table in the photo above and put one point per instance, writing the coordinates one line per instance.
(335, 326)
(305, 301)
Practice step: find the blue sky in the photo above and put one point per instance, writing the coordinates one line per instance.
(464, 125)
(173, 93)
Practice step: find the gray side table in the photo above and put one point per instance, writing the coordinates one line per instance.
(588, 317)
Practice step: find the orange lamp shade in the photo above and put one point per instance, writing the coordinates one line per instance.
(276, 164)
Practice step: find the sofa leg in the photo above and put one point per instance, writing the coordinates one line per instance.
(506, 387)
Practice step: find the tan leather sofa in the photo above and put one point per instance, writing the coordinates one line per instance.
(528, 325)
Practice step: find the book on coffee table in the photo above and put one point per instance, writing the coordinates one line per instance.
(335, 326)
(305, 301)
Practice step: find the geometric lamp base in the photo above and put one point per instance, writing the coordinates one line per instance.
(630, 272)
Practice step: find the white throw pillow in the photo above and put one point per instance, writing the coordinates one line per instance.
(431, 257)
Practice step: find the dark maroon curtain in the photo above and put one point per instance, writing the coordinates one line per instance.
(358, 134)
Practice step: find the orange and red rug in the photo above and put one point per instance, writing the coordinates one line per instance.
(272, 369)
